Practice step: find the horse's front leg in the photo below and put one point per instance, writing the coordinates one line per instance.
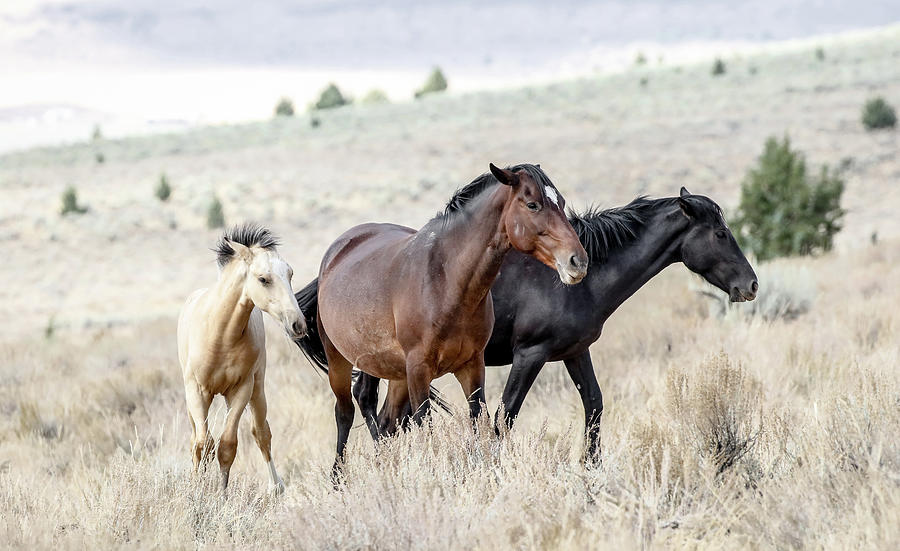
(419, 375)
(236, 400)
(581, 370)
(471, 378)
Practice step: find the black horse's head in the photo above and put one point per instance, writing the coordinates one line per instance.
(710, 250)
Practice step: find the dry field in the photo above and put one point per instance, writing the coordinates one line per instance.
(720, 431)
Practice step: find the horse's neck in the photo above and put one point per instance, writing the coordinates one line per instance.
(228, 309)
(475, 247)
(630, 266)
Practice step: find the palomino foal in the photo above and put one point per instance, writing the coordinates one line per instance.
(222, 343)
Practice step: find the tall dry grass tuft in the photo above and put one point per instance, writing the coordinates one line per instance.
(717, 409)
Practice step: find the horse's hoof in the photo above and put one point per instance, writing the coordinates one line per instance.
(278, 487)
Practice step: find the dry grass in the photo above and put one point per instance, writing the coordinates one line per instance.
(761, 431)
(711, 439)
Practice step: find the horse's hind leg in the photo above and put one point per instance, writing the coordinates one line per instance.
(395, 412)
(236, 400)
(261, 432)
(365, 390)
(198, 410)
(471, 378)
(340, 377)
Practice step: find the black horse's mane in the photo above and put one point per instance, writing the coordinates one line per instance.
(247, 234)
(601, 231)
(467, 193)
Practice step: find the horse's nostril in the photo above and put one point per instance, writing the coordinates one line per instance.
(754, 286)
(298, 327)
(575, 262)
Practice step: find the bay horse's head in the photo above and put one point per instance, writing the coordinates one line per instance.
(535, 221)
(710, 250)
(266, 276)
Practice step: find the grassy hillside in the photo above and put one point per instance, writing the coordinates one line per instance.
(93, 435)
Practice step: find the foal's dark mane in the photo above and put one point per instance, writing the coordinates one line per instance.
(467, 193)
(247, 234)
(601, 231)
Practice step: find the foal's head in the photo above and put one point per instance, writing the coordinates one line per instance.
(536, 223)
(267, 277)
(709, 249)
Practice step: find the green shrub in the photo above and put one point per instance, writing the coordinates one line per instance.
(97, 134)
(878, 114)
(783, 210)
(820, 53)
(70, 202)
(330, 98)
(100, 157)
(718, 67)
(215, 218)
(640, 59)
(163, 189)
(435, 83)
(375, 96)
(284, 108)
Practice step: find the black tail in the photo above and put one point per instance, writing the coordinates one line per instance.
(311, 344)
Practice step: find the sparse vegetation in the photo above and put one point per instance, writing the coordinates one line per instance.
(96, 134)
(330, 98)
(163, 189)
(375, 96)
(820, 53)
(70, 202)
(718, 67)
(640, 59)
(284, 108)
(878, 114)
(215, 218)
(436, 82)
(784, 210)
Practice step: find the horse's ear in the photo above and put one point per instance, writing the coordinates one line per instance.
(240, 250)
(684, 192)
(506, 177)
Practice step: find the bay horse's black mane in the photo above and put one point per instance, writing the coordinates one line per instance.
(247, 234)
(467, 193)
(601, 231)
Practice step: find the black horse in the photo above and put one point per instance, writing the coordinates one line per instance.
(537, 320)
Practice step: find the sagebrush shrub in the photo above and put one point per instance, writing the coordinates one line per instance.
(786, 292)
(877, 114)
(436, 82)
(70, 202)
(284, 108)
(783, 210)
(718, 67)
(215, 218)
(717, 408)
(375, 96)
(163, 189)
(330, 98)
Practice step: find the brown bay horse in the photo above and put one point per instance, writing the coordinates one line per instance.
(409, 306)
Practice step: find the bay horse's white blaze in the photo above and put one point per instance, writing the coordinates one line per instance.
(222, 342)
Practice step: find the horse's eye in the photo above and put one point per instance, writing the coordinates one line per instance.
(533, 207)
(263, 280)
(720, 234)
